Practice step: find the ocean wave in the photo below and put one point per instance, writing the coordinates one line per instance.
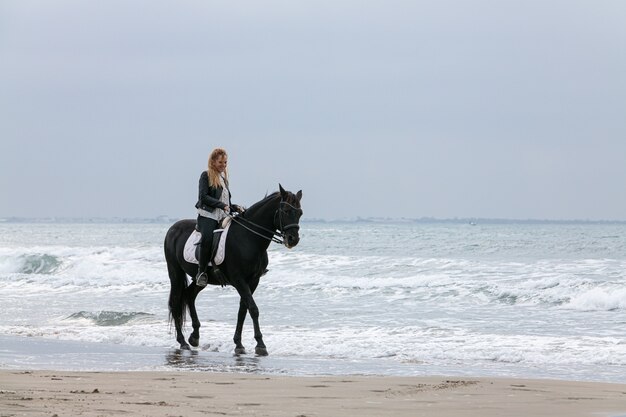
(588, 284)
(603, 299)
(594, 284)
(33, 263)
(64, 266)
(109, 318)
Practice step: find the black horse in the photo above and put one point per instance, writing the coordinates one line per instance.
(245, 262)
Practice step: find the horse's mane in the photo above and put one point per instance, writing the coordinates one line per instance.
(290, 198)
(253, 208)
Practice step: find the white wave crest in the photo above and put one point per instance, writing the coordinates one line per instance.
(599, 299)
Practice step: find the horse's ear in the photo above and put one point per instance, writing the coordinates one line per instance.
(299, 195)
(282, 190)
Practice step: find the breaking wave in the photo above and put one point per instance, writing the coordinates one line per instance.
(109, 318)
(36, 263)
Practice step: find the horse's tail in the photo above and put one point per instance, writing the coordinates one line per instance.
(177, 302)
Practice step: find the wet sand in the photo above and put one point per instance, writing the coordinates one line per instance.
(184, 393)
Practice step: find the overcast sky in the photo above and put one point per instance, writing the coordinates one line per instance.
(458, 108)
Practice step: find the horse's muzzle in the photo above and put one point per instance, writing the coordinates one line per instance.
(291, 240)
(291, 236)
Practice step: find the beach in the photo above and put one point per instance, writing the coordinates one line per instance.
(40, 377)
(57, 393)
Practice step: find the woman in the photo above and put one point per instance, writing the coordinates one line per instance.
(213, 205)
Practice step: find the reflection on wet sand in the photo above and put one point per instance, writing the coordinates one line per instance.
(215, 362)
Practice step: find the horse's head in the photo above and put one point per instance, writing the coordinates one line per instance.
(289, 213)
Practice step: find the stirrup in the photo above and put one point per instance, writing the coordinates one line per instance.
(202, 279)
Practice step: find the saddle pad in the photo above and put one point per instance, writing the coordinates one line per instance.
(189, 251)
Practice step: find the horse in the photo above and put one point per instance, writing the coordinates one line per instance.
(274, 218)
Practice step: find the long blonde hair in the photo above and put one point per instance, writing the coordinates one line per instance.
(214, 175)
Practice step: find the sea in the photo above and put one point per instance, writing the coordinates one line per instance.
(406, 298)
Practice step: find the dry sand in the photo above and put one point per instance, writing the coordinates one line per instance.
(58, 393)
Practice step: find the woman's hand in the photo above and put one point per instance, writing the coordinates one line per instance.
(227, 209)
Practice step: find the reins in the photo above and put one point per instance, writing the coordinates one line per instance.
(275, 236)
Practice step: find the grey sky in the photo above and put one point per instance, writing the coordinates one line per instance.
(508, 109)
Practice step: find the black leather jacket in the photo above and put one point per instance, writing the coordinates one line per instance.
(209, 197)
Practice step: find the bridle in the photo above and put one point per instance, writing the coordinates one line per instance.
(277, 236)
(279, 213)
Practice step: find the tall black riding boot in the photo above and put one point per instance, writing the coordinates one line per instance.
(202, 278)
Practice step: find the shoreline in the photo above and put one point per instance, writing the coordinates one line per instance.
(29, 352)
(183, 393)
(41, 377)
(36, 353)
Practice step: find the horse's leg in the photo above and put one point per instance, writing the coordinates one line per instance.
(180, 336)
(192, 293)
(260, 349)
(241, 317)
(246, 298)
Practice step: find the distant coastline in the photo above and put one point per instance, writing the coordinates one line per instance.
(164, 219)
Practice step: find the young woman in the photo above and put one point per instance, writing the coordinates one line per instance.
(213, 205)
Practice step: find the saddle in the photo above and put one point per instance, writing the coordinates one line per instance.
(191, 251)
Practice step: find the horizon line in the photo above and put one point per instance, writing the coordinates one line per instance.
(354, 219)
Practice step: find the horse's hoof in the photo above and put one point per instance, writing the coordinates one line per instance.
(260, 351)
(194, 341)
(185, 346)
(240, 351)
